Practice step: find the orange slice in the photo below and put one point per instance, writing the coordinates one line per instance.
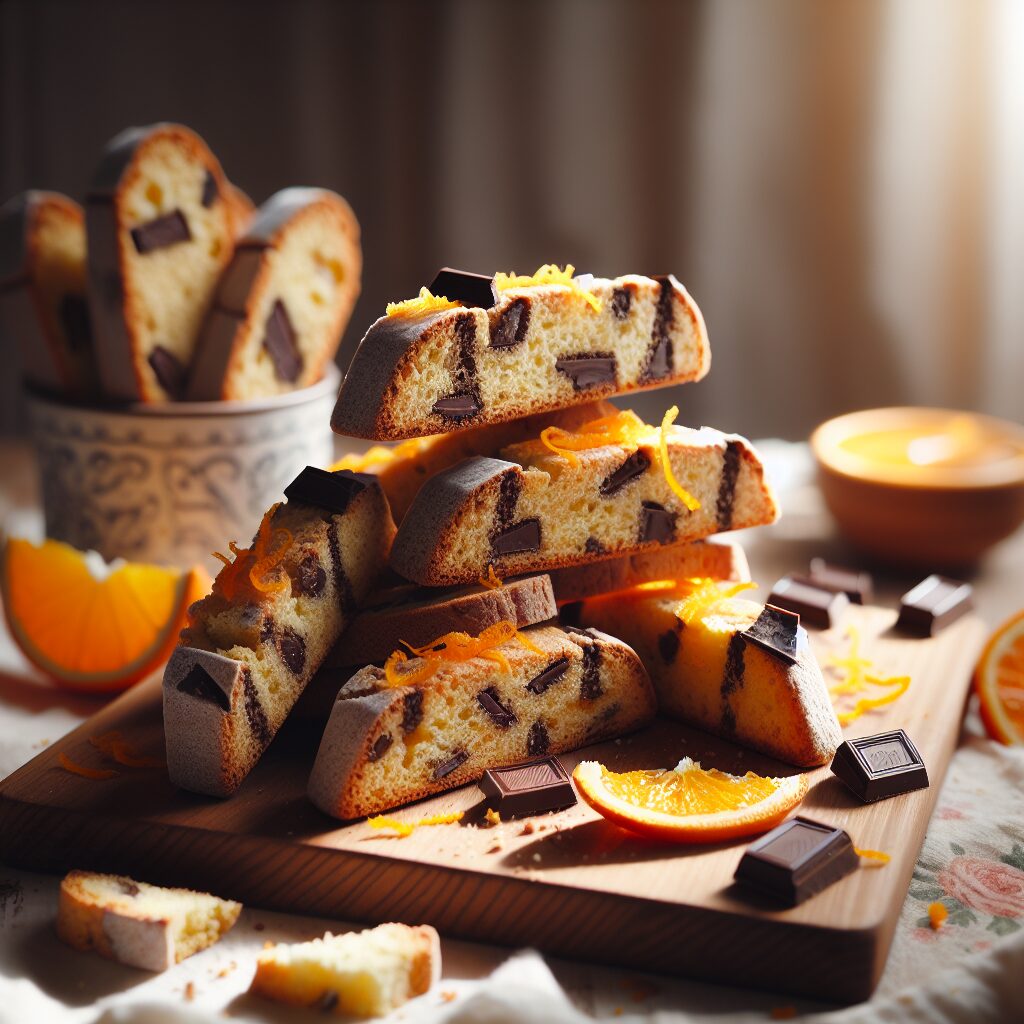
(89, 625)
(689, 804)
(999, 682)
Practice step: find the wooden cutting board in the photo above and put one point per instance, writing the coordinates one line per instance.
(575, 886)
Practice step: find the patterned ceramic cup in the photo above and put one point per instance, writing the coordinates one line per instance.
(173, 483)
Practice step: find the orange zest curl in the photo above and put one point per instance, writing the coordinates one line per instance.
(937, 914)
(666, 466)
(704, 595)
(254, 570)
(550, 273)
(424, 303)
(406, 828)
(380, 456)
(878, 856)
(492, 581)
(80, 769)
(857, 680)
(623, 428)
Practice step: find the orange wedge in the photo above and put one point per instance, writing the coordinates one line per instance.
(999, 682)
(89, 625)
(689, 804)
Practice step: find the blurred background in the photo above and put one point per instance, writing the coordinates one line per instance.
(838, 185)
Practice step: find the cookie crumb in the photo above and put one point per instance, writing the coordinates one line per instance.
(258, 926)
(496, 848)
(492, 818)
(528, 829)
(190, 991)
(447, 996)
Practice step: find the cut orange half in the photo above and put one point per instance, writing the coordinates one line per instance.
(89, 625)
(689, 804)
(999, 682)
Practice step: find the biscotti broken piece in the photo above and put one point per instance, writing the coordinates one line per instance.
(161, 230)
(254, 643)
(549, 341)
(359, 974)
(138, 924)
(387, 743)
(43, 307)
(709, 673)
(283, 302)
(534, 509)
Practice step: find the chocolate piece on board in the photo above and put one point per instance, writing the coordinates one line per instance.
(160, 233)
(776, 631)
(797, 860)
(525, 789)
(586, 370)
(331, 491)
(857, 586)
(933, 604)
(474, 290)
(815, 605)
(880, 766)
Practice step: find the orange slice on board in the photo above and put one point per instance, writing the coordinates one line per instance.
(999, 682)
(689, 804)
(89, 625)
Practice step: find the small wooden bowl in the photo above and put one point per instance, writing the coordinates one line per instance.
(930, 517)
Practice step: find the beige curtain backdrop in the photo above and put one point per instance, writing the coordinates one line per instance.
(838, 183)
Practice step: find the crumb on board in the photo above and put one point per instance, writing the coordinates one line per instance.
(528, 829)
(783, 1012)
(496, 848)
(492, 817)
(447, 995)
(258, 926)
(190, 991)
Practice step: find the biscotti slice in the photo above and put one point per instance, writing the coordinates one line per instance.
(138, 924)
(282, 304)
(405, 468)
(708, 673)
(161, 230)
(360, 974)
(42, 291)
(254, 643)
(387, 743)
(545, 342)
(714, 559)
(536, 509)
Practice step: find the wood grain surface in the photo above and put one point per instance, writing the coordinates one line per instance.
(575, 886)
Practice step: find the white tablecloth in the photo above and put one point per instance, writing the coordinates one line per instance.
(973, 861)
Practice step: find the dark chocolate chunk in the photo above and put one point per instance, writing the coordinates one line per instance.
(622, 299)
(310, 577)
(199, 683)
(509, 487)
(502, 716)
(635, 466)
(170, 374)
(475, 290)
(933, 604)
(593, 546)
(588, 370)
(539, 683)
(456, 407)
(160, 233)
(657, 523)
(128, 888)
(412, 710)
(816, 607)
(74, 318)
(537, 741)
(668, 646)
(590, 681)
(459, 758)
(342, 584)
(732, 680)
(857, 586)
(267, 630)
(523, 536)
(328, 1001)
(380, 747)
(281, 344)
(659, 356)
(508, 329)
(464, 400)
(727, 485)
(331, 491)
(879, 766)
(776, 631)
(525, 789)
(293, 650)
(210, 190)
(797, 860)
(255, 714)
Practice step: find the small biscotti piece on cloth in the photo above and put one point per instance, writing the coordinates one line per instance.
(433, 365)
(161, 229)
(275, 611)
(359, 974)
(43, 307)
(282, 304)
(622, 488)
(702, 650)
(430, 723)
(137, 924)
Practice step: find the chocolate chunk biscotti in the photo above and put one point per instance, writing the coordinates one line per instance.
(427, 724)
(438, 364)
(283, 302)
(276, 609)
(42, 291)
(558, 502)
(161, 230)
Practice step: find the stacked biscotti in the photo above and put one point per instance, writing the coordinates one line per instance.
(518, 490)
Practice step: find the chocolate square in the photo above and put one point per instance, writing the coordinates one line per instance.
(857, 586)
(776, 631)
(531, 788)
(473, 290)
(880, 766)
(933, 604)
(331, 491)
(815, 605)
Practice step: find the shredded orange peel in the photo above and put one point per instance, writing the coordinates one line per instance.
(380, 455)
(406, 828)
(878, 856)
(424, 303)
(704, 595)
(550, 273)
(492, 581)
(117, 748)
(666, 466)
(857, 680)
(454, 648)
(80, 769)
(255, 569)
